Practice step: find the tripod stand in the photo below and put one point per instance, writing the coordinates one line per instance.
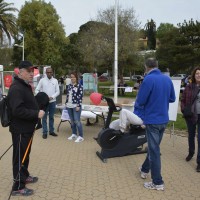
(6, 151)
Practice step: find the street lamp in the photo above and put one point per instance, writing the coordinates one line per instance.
(116, 52)
(22, 46)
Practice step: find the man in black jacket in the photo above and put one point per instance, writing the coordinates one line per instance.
(24, 118)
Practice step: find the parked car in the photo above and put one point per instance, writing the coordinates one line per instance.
(103, 78)
(179, 76)
(136, 77)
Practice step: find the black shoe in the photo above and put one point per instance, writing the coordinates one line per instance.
(189, 157)
(31, 179)
(53, 134)
(22, 192)
(198, 168)
(44, 136)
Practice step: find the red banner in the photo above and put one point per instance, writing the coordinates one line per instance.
(36, 73)
(7, 81)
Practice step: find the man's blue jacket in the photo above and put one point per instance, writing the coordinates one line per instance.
(154, 96)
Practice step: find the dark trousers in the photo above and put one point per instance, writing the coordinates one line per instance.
(191, 137)
(121, 91)
(20, 172)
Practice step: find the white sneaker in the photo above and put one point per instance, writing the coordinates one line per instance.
(152, 186)
(79, 139)
(143, 174)
(72, 137)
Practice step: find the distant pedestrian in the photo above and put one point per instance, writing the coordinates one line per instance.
(67, 82)
(74, 107)
(1, 93)
(81, 80)
(191, 97)
(50, 86)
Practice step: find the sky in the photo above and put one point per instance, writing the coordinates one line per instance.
(74, 13)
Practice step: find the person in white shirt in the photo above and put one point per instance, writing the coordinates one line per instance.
(50, 86)
(67, 82)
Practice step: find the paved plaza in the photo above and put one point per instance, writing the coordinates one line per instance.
(72, 171)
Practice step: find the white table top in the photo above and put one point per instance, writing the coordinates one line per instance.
(86, 107)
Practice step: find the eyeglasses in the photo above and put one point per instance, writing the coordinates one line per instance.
(49, 72)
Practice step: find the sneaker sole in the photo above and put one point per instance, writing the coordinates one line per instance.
(154, 188)
(158, 189)
(24, 195)
(79, 141)
(71, 138)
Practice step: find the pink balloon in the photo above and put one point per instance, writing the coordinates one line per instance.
(96, 98)
(16, 70)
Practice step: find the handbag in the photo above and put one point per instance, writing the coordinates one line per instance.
(187, 111)
(4, 112)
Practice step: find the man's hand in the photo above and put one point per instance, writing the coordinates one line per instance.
(77, 109)
(50, 98)
(41, 114)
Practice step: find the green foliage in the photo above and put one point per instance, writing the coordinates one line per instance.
(96, 53)
(179, 48)
(151, 34)
(5, 56)
(43, 32)
(163, 29)
(99, 54)
(109, 92)
(7, 20)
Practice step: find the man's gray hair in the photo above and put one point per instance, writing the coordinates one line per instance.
(151, 63)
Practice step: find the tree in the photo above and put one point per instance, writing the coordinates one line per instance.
(179, 48)
(6, 57)
(99, 54)
(43, 32)
(150, 28)
(191, 32)
(7, 21)
(93, 44)
(72, 58)
(163, 28)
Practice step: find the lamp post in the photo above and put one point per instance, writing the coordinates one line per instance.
(116, 53)
(22, 46)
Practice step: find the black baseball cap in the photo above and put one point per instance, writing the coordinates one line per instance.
(26, 64)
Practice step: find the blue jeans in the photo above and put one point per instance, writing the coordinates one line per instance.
(191, 137)
(51, 111)
(75, 118)
(154, 134)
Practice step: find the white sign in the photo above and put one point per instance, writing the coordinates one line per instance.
(128, 89)
(1, 68)
(173, 107)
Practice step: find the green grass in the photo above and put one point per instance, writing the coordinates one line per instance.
(110, 93)
(179, 124)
